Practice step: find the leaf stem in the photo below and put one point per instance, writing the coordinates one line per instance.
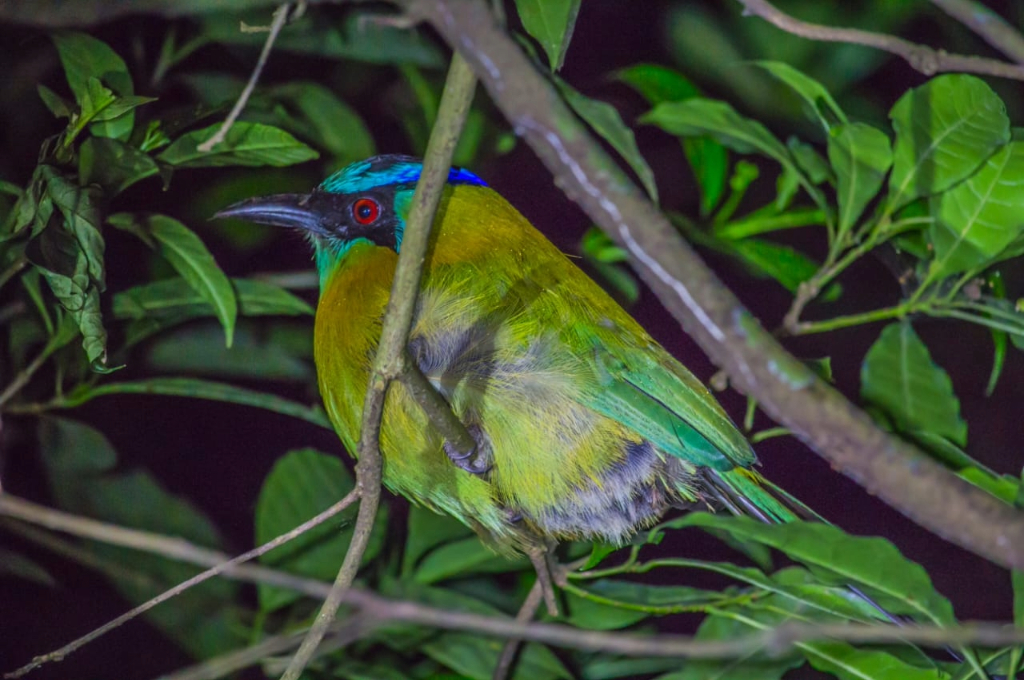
(809, 327)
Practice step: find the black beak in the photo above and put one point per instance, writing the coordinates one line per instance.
(281, 210)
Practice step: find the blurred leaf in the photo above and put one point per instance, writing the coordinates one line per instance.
(113, 164)
(259, 351)
(358, 36)
(786, 265)
(899, 375)
(978, 218)
(860, 156)
(53, 101)
(586, 613)
(598, 246)
(873, 562)
(462, 558)
(84, 57)
(177, 298)
(301, 485)
(325, 118)
(427, 530)
(608, 667)
(186, 252)
(72, 448)
(248, 144)
(820, 104)
(551, 23)
(606, 122)
(945, 129)
(16, 565)
(204, 389)
(999, 339)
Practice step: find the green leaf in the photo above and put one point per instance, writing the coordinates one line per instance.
(606, 122)
(427, 530)
(73, 448)
(860, 156)
(820, 104)
(651, 599)
(874, 562)
(786, 265)
(462, 558)
(113, 164)
(84, 57)
(551, 23)
(809, 161)
(945, 129)
(180, 246)
(898, 375)
(657, 83)
(977, 219)
(323, 117)
(697, 117)
(246, 144)
(591, 614)
(204, 389)
(301, 485)
(176, 298)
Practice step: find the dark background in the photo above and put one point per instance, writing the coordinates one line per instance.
(217, 455)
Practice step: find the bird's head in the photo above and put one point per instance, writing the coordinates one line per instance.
(367, 202)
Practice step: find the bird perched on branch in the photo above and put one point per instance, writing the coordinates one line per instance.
(585, 427)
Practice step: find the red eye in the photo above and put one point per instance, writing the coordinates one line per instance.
(366, 211)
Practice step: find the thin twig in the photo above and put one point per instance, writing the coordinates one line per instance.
(455, 103)
(511, 649)
(920, 57)
(995, 30)
(280, 17)
(11, 506)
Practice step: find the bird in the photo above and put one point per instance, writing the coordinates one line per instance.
(585, 428)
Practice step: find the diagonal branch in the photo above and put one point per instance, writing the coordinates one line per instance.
(921, 57)
(790, 393)
(388, 362)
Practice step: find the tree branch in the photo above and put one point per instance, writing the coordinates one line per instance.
(920, 57)
(788, 391)
(995, 30)
(388, 362)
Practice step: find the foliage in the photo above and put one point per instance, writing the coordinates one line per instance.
(937, 185)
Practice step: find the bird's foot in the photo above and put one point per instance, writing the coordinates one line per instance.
(478, 461)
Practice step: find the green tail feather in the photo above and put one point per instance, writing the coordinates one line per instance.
(744, 492)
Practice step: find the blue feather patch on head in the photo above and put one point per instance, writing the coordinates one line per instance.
(390, 170)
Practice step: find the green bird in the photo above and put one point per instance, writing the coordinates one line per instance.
(585, 427)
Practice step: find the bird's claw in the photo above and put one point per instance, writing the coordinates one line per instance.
(478, 460)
